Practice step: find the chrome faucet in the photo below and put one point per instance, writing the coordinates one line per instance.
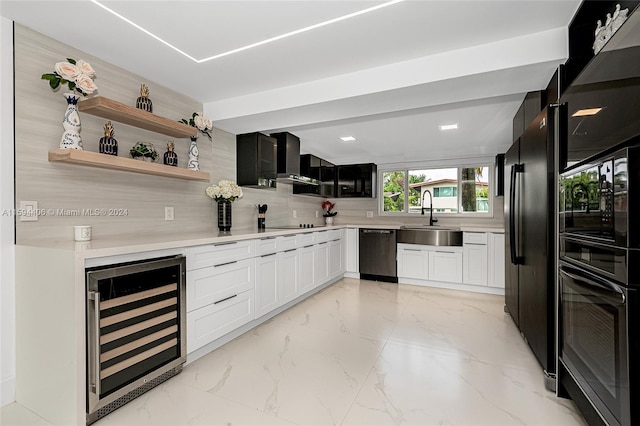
(431, 219)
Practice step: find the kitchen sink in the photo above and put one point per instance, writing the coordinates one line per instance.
(430, 235)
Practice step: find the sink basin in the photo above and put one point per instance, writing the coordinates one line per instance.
(430, 235)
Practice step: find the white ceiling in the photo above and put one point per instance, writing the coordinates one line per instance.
(388, 77)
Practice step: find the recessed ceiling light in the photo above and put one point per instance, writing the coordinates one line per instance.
(249, 46)
(586, 112)
(444, 127)
(348, 139)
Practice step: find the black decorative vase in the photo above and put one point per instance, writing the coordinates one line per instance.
(224, 216)
(144, 104)
(108, 145)
(170, 157)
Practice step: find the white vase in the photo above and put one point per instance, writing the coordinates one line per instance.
(328, 220)
(71, 138)
(193, 154)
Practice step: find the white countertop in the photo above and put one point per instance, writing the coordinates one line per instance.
(143, 243)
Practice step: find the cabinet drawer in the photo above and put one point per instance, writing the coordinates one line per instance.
(334, 234)
(215, 254)
(286, 242)
(210, 285)
(304, 239)
(474, 238)
(320, 236)
(266, 245)
(211, 322)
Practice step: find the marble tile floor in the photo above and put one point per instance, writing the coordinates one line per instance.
(359, 353)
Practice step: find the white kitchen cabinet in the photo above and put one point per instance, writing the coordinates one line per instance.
(213, 321)
(413, 262)
(209, 285)
(495, 262)
(445, 264)
(215, 254)
(286, 242)
(287, 274)
(474, 258)
(351, 252)
(306, 274)
(320, 264)
(336, 262)
(267, 280)
(266, 245)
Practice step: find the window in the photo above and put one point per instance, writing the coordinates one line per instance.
(452, 190)
(446, 191)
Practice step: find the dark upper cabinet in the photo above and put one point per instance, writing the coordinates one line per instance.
(356, 180)
(319, 169)
(582, 34)
(256, 160)
(533, 103)
(601, 103)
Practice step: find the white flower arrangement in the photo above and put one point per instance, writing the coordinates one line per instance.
(198, 121)
(78, 75)
(225, 190)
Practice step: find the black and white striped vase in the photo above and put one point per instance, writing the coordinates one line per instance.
(144, 103)
(224, 215)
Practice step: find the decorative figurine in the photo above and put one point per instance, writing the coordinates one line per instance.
(143, 102)
(108, 144)
(612, 24)
(170, 157)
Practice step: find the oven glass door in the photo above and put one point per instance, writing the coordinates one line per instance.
(594, 339)
(587, 201)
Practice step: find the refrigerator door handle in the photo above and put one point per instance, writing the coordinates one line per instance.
(513, 215)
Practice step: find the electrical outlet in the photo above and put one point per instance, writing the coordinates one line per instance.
(28, 211)
(370, 214)
(295, 214)
(317, 214)
(168, 213)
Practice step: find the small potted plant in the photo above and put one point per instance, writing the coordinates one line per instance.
(328, 206)
(143, 151)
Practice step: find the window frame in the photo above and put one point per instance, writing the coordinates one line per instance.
(459, 165)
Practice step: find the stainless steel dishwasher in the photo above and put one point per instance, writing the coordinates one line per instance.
(378, 255)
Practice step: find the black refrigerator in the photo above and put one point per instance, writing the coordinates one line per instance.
(530, 230)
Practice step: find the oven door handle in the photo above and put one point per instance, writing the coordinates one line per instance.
(602, 288)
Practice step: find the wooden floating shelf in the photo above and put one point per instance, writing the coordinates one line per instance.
(95, 159)
(114, 110)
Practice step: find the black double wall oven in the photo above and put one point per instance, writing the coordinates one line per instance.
(599, 284)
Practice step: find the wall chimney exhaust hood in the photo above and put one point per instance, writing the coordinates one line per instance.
(289, 160)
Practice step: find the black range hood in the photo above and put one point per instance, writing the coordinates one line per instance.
(289, 160)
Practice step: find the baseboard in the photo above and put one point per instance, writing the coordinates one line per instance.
(7, 391)
(453, 286)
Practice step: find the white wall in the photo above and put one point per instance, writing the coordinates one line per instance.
(7, 251)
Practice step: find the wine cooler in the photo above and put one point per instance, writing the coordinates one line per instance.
(135, 330)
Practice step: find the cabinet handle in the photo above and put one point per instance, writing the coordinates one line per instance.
(267, 255)
(411, 249)
(322, 243)
(289, 236)
(287, 251)
(447, 252)
(94, 323)
(268, 238)
(226, 243)
(225, 299)
(223, 264)
(310, 245)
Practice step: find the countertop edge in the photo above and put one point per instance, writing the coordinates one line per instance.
(113, 247)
